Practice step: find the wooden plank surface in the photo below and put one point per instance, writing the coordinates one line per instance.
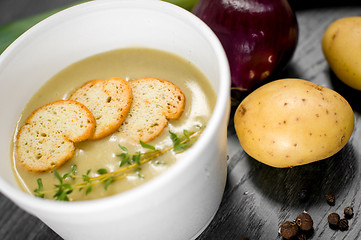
(257, 198)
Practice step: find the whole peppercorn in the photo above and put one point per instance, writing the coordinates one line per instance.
(333, 220)
(289, 230)
(330, 198)
(343, 224)
(348, 211)
(304, 221)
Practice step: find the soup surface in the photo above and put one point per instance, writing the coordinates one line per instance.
(94, 159)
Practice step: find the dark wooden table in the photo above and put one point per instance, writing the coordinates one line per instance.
(257, 198)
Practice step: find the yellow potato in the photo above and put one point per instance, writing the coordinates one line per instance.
(292, 122)
(341, 45)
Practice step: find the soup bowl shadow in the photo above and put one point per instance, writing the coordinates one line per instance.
(179, 203)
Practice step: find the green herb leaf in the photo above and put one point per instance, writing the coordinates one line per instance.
(147, 146)
(108, 182)
(102, 171)
(89, 189)
(123, 148)
(40, 189)
(175, 139)
(63, 191)
(125, 159)
(73, 169)
(136, 158)
(66, 175)
(124, 156)
(59, 194)
(63, 196)
(181, 147)
(70, 174)
(67, 186)
(86, 178)
(140, 176)
(186, 133)
(57, 175)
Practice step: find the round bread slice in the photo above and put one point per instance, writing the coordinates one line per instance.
(46, 141)
(154, 102)
(109, 101)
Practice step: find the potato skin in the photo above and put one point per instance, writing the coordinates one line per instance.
(292, 122)
(342, 50)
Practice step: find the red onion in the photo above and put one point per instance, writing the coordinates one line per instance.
(259, 36)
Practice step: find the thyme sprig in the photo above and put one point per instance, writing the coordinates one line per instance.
(129, 163)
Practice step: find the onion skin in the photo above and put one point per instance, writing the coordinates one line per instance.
(259, 36)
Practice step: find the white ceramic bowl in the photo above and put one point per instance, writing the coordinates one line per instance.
(178, 204)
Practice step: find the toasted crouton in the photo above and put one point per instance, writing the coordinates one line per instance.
(46, 141)
(154, 102)
(109, 101)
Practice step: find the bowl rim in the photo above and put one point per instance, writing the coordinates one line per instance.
(220, 109)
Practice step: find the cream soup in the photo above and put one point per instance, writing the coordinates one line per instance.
(129, 64)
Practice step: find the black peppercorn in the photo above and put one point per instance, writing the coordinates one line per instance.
(343, 224)
(348, 211)
(289, 230)
(304, 221)
(330, 198)
(333, 220)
